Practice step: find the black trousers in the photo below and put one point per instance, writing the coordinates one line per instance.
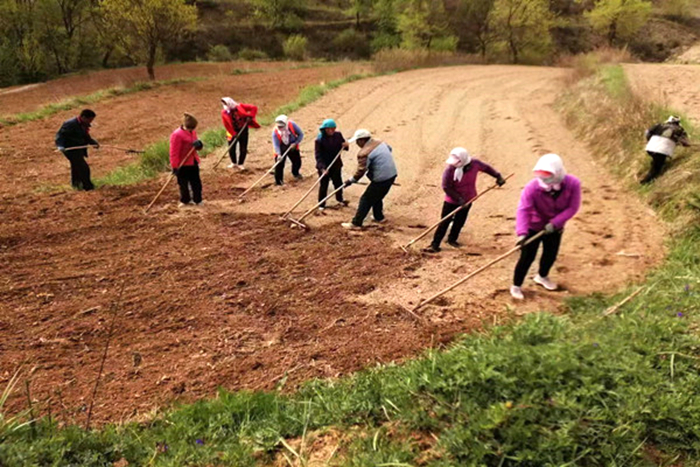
(336, 175)
(242, 144)
(457, 221)
(188, 177)
(657, 166)
(550, 250)
(373, 198)
(79, 172)
(295, 156)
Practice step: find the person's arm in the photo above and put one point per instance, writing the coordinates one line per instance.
(300, 133)
(484, 167)
(522, 215)
(344, 144)
(448, 185)
(684, 139)
(318, 150)
(570, 211)
(276, 144)
(362, 160)
(175, 148)
(248, 110)
(228, 123)
(60, 138)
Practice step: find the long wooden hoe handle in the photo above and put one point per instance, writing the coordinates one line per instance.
(233, 141)
(75, 148)
(170, 177)
(472, 274)
(432, 227)
(325, 173)
(277, 162)
(308, 213)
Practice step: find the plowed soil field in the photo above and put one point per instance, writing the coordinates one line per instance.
(230, 296)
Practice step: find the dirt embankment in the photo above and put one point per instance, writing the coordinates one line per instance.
(231, 296)
(677, 86)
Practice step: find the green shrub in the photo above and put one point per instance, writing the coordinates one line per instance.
(351, 42)
(219, 53)
(444, 44)
(252, 54)
(295, 47)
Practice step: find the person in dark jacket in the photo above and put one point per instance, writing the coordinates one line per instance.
(662, 140)
(75, 133)
(375, 159)
(329, 143)
(459, 184)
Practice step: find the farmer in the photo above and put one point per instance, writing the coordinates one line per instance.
(184, 145)
(286, 135)
(75, 133)
(376, 160)
(235, 116)
(329, 143)
(662, 139)
(546, 203)
(459, 184)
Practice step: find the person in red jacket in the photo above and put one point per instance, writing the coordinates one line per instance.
(184, 160)
(235, 116)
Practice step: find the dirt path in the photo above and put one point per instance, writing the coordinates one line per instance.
(677, 86)
(231, 296)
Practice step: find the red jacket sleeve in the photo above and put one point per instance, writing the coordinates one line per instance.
(228, 123)
(175, 149)
(249, 110)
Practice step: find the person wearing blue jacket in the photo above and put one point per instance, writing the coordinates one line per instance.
(285, 135)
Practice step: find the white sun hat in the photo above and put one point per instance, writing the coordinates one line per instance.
(360, 134)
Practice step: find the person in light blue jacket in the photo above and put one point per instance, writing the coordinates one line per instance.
(286, 135)
(377, 161)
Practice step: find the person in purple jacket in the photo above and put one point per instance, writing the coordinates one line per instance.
(546, 203)
(459, 184)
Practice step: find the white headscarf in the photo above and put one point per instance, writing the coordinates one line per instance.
(459, 158)
(283, 131)
(553, 164)
(229, 104)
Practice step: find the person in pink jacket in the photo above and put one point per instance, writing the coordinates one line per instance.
(547, 203)
(184, 161)
(459, 185)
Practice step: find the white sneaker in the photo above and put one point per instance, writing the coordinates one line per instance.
(241, 167)
(231, 166)
(516, 292)
(200, 204)
(350, 226)
(182, 205)
(381, 221)
(544, 282)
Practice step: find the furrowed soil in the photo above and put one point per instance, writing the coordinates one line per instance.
(32, 97)
(230, 296)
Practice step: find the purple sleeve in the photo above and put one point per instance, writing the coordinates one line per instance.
(522, 215)
(484, 167)
(574, 204)
(448, 183)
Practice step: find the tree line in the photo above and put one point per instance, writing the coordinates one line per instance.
(40, 39)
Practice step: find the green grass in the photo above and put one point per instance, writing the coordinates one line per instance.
(80, 101)
(156, 157)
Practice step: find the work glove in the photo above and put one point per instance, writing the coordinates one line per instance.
(521, 240)
(198, 145)
(549, 228)
(500, 181)
(349, 182)
(61, 148)
(175, 171)
(96, 144)
(320, 170)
